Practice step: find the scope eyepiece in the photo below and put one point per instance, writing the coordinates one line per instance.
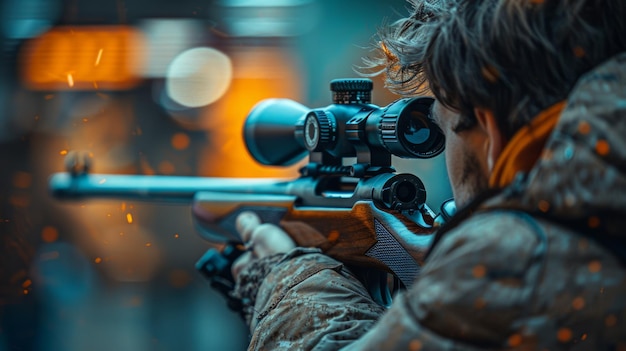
(280, 132)
(407, 130)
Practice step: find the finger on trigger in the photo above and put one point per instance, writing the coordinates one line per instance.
(246, 223)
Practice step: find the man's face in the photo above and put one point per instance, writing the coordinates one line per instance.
(465, 153)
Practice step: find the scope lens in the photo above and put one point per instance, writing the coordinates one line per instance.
(420, 135)
(416, 132)
(416, 135)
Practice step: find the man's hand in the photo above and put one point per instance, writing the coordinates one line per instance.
(261, 239)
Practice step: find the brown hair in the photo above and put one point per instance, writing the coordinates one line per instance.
(515, 57)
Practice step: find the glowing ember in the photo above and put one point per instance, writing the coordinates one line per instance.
(129, 218)
(99, 57)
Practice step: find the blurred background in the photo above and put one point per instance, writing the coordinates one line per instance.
(148, 87)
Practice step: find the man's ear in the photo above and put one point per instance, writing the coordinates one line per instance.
(495, 141)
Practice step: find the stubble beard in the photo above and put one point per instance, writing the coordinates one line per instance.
(473, 179)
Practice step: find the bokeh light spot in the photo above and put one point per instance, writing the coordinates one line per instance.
(578, 303)
(610, 320)
(593, 222)
(579, 51)
(564, 335)
(515, 340)
(198, 77)
(180, 141)
(602, 147)
(584, 127)
(479, 271)
(49, 234)
(594, 266)
(544, 206)
(415, 345)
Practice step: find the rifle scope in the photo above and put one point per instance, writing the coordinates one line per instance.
(280, 132)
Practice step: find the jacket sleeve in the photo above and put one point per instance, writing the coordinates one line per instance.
(310, 301)
(463, 300)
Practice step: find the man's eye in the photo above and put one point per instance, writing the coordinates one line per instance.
(463, 125)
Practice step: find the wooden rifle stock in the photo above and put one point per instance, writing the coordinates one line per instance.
(364, 235)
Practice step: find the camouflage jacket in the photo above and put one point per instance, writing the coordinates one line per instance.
(540, 266)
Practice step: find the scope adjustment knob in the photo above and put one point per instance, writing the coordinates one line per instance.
(319, 130)
(352, 90)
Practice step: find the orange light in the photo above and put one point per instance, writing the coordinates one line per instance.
(99, 57)
(83, 58)
(49, 234)
(180, 141)
(70, 80)
(261, 73)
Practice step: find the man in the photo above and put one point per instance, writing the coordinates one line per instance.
(531, 96)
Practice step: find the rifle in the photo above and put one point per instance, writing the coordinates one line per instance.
(362, 213)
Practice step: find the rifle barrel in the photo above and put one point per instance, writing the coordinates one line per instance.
(69, 186)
